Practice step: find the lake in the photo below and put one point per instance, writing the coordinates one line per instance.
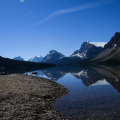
(94, 92)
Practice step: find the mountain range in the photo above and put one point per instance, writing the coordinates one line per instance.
(111, 51)
(36, 59)
(18, 58)
(90, 76)
(90, 52)
(52, 57)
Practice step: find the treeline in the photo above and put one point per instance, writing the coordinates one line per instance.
(8, 63)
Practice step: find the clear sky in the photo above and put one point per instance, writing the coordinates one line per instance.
(31, 28)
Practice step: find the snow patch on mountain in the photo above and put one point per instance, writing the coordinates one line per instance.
(52, 57)
(81, 73)
(98, 44)
(36, 59)
(100, 82)
(18, 58)
(39, 56)
(82, 55)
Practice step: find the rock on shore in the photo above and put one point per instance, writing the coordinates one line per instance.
(29, 98)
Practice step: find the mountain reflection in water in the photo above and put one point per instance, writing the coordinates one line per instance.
(90, 76)
(94, 91)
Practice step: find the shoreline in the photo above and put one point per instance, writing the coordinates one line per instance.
(29, 97)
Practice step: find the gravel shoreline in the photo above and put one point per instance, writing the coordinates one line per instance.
(29, 98)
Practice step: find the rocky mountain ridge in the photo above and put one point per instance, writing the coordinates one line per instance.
(52, 57)
(110, 53)
(18, 58)
(89, 51)
(36, 59)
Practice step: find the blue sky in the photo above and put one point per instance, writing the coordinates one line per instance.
(31, 28)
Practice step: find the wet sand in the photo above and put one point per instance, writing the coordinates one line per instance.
(29, 98)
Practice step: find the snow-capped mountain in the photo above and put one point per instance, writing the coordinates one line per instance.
(52, 57)
(98, 44)
(89, 50)
(18, 58)
(101, 82)
(88, 76)
(53, 74)
(89, 79)
(114, 41)
(36, 59)
(111, 51)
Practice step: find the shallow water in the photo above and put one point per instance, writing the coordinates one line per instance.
(99, 100)
(94, 92)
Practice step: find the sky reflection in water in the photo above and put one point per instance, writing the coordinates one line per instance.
(94, 91)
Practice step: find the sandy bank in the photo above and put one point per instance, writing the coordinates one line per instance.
(29, 98)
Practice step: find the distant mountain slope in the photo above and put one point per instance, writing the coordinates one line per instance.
(52, 57)
(18, 58)
(68, 60)
(10, 63)
(90, 76)
(88, 50)
(36, 59)
(98, 44)
(111, 52)
(114, 41)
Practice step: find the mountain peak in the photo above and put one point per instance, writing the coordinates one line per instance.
(52, 56)
(117, 34)
(89, 50)
(98, 44)
(18, 58)
(110, 52)
(36, 59)
(52, 51)
(114, 41)
(38, 56)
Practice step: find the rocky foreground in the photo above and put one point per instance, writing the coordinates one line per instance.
(29, 98)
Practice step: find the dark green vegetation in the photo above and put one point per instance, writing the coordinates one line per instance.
(6, 63)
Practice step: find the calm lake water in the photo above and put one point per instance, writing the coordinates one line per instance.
(94, 92)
